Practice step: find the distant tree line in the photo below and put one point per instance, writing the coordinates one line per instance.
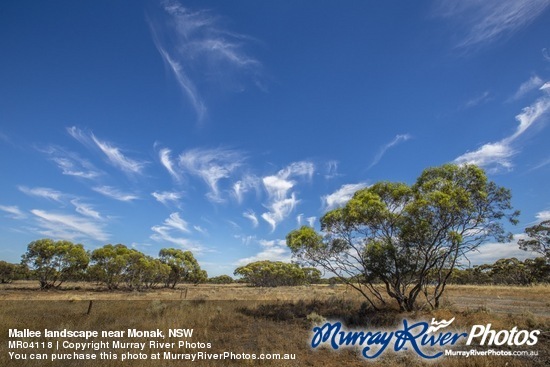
(116, 266)
(505, 272)
(277, 273)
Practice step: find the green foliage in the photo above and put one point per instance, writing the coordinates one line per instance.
(538, 269)
(7, 272)
(222, 279)
(407, 237)
(183, 267)
(276, 273)
(109, 264)
(54, 262)
(312, 275)
(113, 265)
(539, 239)
(505, 272)
(509, 271)
(154, 272)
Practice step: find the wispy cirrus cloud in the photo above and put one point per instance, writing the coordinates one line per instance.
(67, 226)
(166, 197)
(79, 135)
(493, 156)
(114, 154)
(498, 155)
(244, 185)
(168, 163)
(249, 214)
(172, 230)
(309, 220)
(273, 250)
(533, 83)
(42, 192)
(114, 193)
(118, 159)
(13, 211)
(279, 210)
(539, 165)
(86, 209)
(211, 165)
(478, 100)
(543, 216)
(483, 22)
(186, 84)
(341, 196)
(331, 169)
(281, 201)
(71, 164)
(198, 49)
(176, 222)
(400, 138)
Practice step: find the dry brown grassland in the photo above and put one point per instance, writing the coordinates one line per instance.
(241, 319)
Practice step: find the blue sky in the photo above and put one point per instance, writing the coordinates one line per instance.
(220, 126)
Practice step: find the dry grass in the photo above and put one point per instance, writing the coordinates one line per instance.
(240, 319)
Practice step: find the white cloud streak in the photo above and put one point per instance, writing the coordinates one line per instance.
(281, 204)
(279, 210)
(42, 192)
(272, 250)
(172, 229)
(195, 47)
(167, 162)
(175, 221)
(493, 156)
(86, 209)
(331, 169)
(187, 86)
(487, 21)
(115, 193)
(497, 155)
(543, 216)
(310, 220)
(478, 100)
(68, 226)
(249, 214)
(79, 135)
(211, 165)
(341, 196)
(71, 164)
(535, 82)
(397, 140)
(166, 197)
(118, 159)
(13, 211)
(114, 154)
(244, 185)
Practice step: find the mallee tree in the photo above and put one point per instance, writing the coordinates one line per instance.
(539, 239)
(54, 262)
(267, 273)
(408, 238)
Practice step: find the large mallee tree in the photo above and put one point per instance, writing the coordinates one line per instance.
(408, 238)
